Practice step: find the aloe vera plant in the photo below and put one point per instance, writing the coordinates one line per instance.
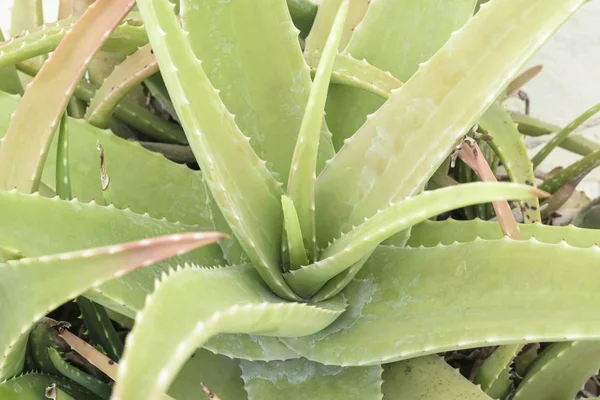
(314, 143)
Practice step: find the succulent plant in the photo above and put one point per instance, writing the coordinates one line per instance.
(318, 140)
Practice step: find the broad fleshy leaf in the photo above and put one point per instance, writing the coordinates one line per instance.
(440, 102)
(235, 300)
(306, 380)
(238, 179)
(407, 301)
(58, 278)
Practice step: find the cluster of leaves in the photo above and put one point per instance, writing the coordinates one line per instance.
(323, 143)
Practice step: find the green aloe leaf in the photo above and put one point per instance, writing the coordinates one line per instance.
(440, 106)
(574, 362)
(427, 378)
(508, 144)
(260, 72)
(303, 14)
(301, 184)
(306, 380)
(250, 347)
(242, 187)
(125, 39)
(411, 32)
(9, 80)
(360, 241)
(32, 386)
(407, 301)
(293, 234)
(131, 188)
(99, 328)
(236, 301)
(58, 278)
(328, 9)
(572, 172)
(493, 375)
(22, 157)
(26, 15)
(220, 373)
(68, 224)
(92, 384)
(563, 134)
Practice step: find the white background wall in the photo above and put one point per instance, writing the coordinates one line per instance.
(568, 85)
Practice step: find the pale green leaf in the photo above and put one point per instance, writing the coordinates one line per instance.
(427, 378)
(293, 234)
(234, 299)
(306, 380)
(408, 301)
(58, 278)
(418, 126)
(360, 241)
(242, 187)
(493, 375)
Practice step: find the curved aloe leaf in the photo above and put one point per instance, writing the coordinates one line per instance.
(293, 233)
(493, 376)
(131, 188)
(571, 173)
(260, 72)
(32, 386)
(27, 15)
(425, 291)
(302, 379)
(242, 187)
(92, 384)
(362, 176)
(357, 243)
(131, 72)
(56, 279)
(563, 134)
(411, 32)
(530, 126)
(22, 157)
(575, 362)
(127, 110)
(427, 378)
(328, 9)
(508, 144)
(360, 74)
(301, 183)
(99, 328)
(68, 224)
(63, 173)
(239, 302)
(430, 234)
(9, 80)
(125, 39)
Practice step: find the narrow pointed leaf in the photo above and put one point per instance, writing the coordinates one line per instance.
(571, 173)
(56, 279)
(131, 72)
(33, 385)
(236, 300)
(125, 39)
(328, 9)
(242, 187)
(301, 184)
(560, 136)
(493, 375)
(99, 327)
(425, 291)
(63, 173)
(306, 380)
(260, 72)
(357, 243)
(508, 144)
(427, 378)
(9, 80)
(433, 111)
(27, 15)
(22, 156)
(293, 234)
